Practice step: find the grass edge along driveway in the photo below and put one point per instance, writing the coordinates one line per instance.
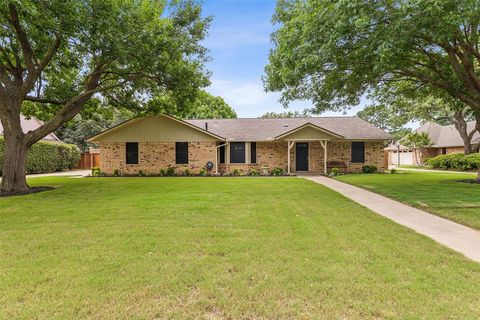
(219, 248)
(444, 194)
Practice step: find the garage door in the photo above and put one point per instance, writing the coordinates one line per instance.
(406, 158)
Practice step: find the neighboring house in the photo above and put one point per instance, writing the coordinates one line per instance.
(293, 144)
(445, 140)
(32, 124)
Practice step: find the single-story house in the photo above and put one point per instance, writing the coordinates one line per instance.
(32, 124)
(293, 144)
(445, 140)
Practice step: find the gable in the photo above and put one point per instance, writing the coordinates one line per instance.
(308, 132)
(154, 129)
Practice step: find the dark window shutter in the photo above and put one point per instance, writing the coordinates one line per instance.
(222, 154)
(131, 152)
(253, 152)
(237, 152)
(358, 152)
(181, 152)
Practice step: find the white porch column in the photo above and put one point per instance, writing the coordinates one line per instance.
(289, 146)
(324, 146)
(325, 158)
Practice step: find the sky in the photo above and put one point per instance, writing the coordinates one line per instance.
(239, 42)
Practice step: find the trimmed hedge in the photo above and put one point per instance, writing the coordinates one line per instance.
(46, 157)
(455, 161)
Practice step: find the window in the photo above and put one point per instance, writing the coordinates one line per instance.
(358, 152)
(222, 154)
(131, 152)
(253, 152)
(237, 152)
(181, 152)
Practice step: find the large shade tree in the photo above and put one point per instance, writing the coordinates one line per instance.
(335, 52)
(55, 55)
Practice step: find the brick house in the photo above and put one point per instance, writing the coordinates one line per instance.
(445, 140)
(293, 144)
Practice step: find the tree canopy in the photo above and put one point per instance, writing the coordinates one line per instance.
(287, 114)
(334, 52)
(203, 106)
(55, 55)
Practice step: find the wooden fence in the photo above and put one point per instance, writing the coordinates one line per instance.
(89, 160)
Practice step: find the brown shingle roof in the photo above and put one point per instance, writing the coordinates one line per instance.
(447, 136)
(30, 125)
(258, 129)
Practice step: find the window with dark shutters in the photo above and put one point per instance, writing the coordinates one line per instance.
(237, 152)
(253, 152)
(222, 154)
(131, 152)
(181, 152)
(358, 152)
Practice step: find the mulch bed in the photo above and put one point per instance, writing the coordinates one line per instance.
(31, 190)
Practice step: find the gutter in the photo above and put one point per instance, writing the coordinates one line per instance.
(216, 153)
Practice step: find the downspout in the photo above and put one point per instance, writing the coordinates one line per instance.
(218, 158)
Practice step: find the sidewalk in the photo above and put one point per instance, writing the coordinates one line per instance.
(453, 235)
(79, 173)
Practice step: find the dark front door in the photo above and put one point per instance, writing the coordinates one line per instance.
(301, 156)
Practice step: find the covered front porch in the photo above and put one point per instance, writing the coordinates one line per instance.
(301, 143)
(303, 161)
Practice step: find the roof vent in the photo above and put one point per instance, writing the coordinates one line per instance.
(285, 125)
(206, 126)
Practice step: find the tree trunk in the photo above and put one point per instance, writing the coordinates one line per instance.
(13, 171)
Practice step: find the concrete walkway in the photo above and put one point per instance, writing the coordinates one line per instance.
(453, 235)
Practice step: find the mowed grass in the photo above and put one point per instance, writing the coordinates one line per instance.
(444, 194)
(214, 248)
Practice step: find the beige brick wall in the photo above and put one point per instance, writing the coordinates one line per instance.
(274, 154)
(154, 156)
(455, 150)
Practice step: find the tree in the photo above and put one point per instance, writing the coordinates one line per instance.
(333, 53)
(386, 119)
(80, 128)
(55, 55)
(418, 142)
(287, 114)
(204, 106)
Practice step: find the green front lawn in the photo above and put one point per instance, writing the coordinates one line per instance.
(219, 248)
(442, 194)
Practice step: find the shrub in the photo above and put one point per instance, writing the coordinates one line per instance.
(163, 173)
(202, 172)
(369, 169)
(117, 173)
(95, 172)
(254, 172)
(186, 173)
(277, 171)
(141, 173)
(393, 171)
(236, 172)
(335, 172)
(455, 161)
(46, 157)
(170, 171)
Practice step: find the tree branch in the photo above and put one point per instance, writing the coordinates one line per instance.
(22, 38)
(44, 100)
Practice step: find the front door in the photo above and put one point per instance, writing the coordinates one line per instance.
(301, 156)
